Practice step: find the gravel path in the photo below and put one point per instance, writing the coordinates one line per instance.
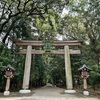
(52, 93)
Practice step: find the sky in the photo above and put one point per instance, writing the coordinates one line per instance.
(0, 38)
(64, 12)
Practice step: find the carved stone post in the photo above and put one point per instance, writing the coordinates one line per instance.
(85, 83)
(7, 84)
(69, 83)
(26, 77)
(7, 92)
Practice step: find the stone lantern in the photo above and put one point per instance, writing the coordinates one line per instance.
(85, 74)
(9, 71)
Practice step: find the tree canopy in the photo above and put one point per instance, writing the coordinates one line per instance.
(16, 16)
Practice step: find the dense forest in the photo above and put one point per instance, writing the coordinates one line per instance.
(59, 20)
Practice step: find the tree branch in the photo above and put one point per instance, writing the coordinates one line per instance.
(9, 29)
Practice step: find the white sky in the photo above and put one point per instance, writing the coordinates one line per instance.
(0, 39)
(59, 37)
(64, 12)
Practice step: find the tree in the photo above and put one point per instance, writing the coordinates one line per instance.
(16, 11)
(82, 23)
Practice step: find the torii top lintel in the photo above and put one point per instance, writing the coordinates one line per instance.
(40, 43)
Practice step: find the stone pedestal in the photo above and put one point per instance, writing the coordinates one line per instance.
(86, 93)
(6, 93)
(25, 91)
(70, 91)
(85, 83)
(7, 84)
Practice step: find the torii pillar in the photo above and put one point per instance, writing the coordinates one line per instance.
(68, 71)
(26, 77)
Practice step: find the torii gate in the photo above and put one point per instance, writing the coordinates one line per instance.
(29, 51)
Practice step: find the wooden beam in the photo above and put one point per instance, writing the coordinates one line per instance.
(52, 51)
(40, 43)
(63, 43)
(33, 43)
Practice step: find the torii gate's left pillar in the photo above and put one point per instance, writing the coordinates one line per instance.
(26, 77)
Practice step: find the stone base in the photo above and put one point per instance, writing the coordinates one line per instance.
(86, 93)
(70, 91)
(25, 91)
(6, 93)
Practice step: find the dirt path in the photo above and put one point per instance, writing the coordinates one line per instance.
(52, 93)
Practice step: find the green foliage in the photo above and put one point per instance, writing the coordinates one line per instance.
(94, 79)
(37, 71)
(5, 59)
(17, 16)
(6, 55)
(47, 26)
(82, 23)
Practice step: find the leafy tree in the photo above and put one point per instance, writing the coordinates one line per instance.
(82, 23)
(15, 12)
(95, 77)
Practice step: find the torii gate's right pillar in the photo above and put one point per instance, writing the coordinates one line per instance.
(68, 71)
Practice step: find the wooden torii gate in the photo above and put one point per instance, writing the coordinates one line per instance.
(29, 51)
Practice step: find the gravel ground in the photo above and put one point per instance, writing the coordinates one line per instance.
(50, 93)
